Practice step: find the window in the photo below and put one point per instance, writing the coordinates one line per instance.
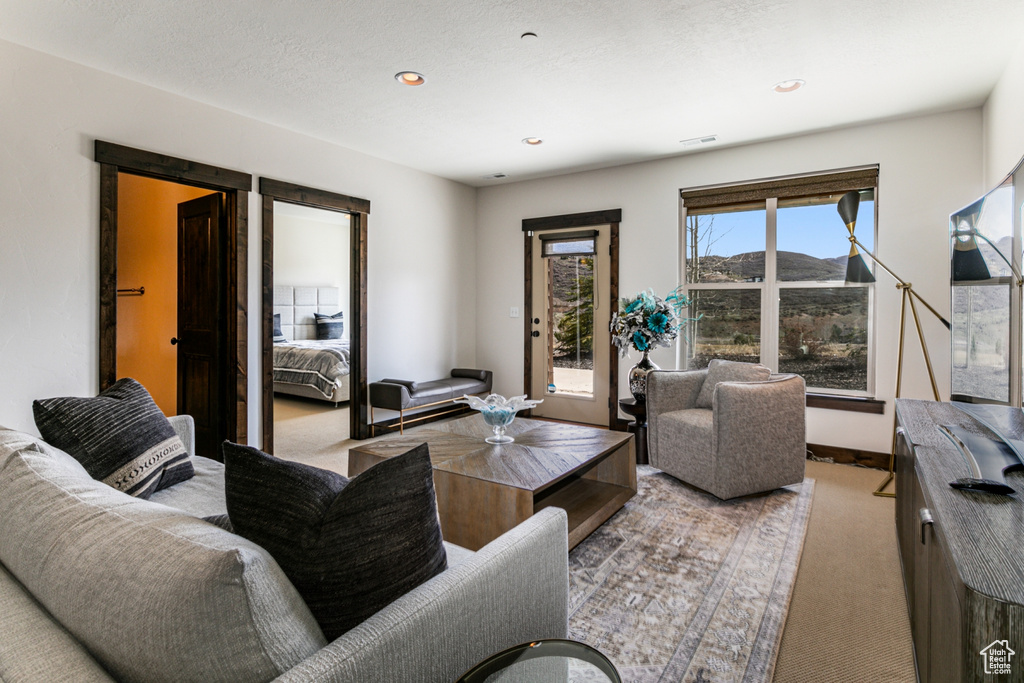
(765, 265)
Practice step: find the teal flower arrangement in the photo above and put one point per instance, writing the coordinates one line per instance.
(647, 321)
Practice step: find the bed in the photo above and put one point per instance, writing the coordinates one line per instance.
(304, 365)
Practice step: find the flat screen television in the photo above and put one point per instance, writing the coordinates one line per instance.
(985, 296)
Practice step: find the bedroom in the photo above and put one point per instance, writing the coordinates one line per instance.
(311, 370)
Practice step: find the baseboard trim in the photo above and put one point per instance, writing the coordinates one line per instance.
(850, 456)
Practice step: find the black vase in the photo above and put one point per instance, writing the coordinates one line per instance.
(638, 377)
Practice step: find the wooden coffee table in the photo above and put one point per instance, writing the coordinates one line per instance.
(484, 490)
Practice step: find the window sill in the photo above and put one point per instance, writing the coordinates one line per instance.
(856, 404)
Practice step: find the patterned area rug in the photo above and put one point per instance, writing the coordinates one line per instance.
(681, 586)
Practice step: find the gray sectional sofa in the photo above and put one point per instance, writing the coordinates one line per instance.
(96, 586)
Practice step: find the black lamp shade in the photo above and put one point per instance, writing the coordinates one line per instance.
(968, 263)
(857, 270)
(847, 208)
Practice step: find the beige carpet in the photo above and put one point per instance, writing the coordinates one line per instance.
(847, 618)
(312, 432)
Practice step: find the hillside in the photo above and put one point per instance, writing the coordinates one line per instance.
(792, 267)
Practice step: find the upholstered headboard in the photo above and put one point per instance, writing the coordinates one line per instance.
(296, 305)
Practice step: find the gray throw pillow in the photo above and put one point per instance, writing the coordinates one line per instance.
(120, 437)
(729, 371)
(329, 326)
(349, 547)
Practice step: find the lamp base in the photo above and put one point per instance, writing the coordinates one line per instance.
(880, 491)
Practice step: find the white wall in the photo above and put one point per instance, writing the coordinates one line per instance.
(421, 227)
(1003, 114)
(311, 250)
(929, 166)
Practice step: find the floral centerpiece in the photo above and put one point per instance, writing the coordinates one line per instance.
(498, 412)
(644, 323)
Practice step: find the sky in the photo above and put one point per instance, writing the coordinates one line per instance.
(814, 230)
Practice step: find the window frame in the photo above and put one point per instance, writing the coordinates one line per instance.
(816, 184)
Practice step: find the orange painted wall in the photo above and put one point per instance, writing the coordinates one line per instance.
(147, 256)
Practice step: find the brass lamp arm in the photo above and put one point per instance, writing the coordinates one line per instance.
(903, 284)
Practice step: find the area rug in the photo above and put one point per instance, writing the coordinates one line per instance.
(681, 586)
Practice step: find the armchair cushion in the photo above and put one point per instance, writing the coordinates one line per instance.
(729, 371)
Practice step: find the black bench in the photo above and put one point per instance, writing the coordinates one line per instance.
(403, 395)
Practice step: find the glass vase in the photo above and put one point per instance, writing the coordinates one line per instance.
(638, 377)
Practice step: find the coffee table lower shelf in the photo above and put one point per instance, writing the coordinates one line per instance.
(587, 502)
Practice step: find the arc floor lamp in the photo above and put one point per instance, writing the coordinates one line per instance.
(857, 271)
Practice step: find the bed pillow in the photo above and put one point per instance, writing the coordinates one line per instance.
(278, 334)
(120, 437)
(729, 371)
(349, 547)
(329, 326)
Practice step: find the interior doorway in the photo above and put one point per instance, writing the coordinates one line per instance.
(285, 200)
(311, 336)
(571, 288)
(218, 392)
(147, 283)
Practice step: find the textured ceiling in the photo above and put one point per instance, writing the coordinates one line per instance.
(605, 82)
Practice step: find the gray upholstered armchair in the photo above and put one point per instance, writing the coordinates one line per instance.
(731, 429)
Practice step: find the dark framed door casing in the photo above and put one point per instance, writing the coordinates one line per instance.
(612, 218)
(235, 185)
(358, 211)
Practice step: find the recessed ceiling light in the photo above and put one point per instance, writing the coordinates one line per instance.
(410, 78)
(788, 86)
(532, 141)
(528, 34)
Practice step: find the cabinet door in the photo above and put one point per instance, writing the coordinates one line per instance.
(920, 617)
(907, 532)
(946, 640)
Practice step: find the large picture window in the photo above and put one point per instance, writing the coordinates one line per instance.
(764, 265)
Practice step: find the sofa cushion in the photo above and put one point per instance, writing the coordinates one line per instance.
(350, 547)
(729, 371)
(200, 496)
(153, 593)
(34, 646)
(120, 436)
(329, 326)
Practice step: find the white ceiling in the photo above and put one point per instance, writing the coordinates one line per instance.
(605, 82)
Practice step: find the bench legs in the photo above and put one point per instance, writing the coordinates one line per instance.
(401, 422)
(401, 414)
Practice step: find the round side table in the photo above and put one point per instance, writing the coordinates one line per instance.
(638, 411)
(544, 660)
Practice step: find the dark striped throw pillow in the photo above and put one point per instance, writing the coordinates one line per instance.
(349, 547)
(120, 437)
(329, 326)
